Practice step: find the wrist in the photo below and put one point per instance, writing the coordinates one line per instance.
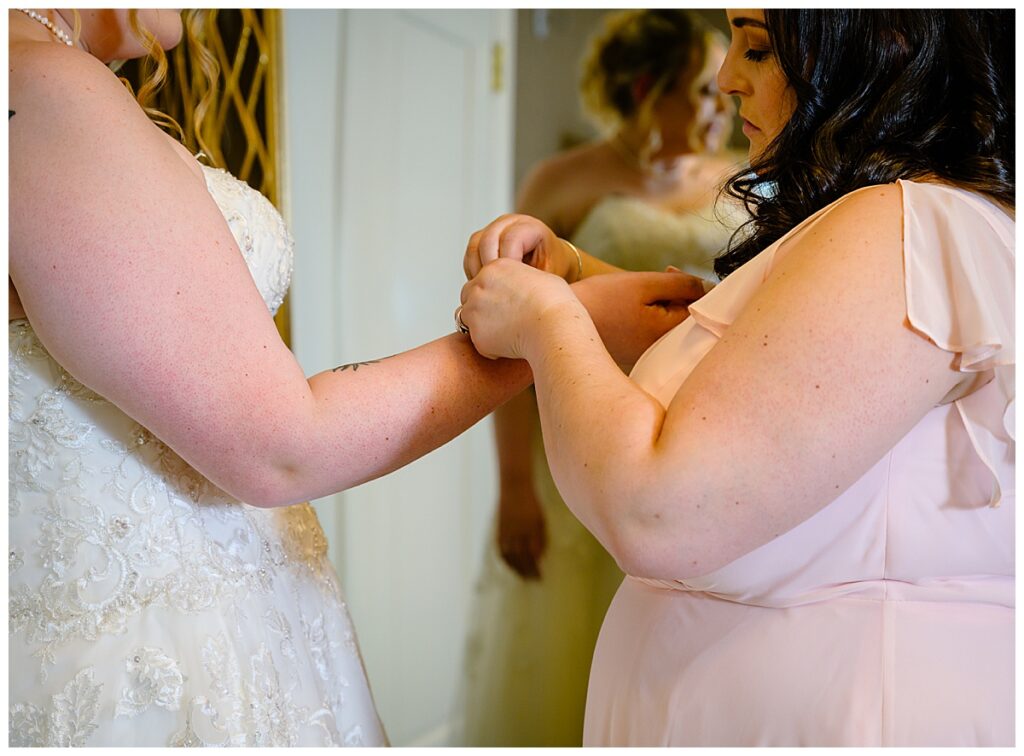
(552, 326)
(516, 500)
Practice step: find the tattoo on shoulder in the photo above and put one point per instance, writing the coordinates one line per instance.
(11, 112)
(353, 365)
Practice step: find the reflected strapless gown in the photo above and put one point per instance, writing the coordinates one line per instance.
(146, 606)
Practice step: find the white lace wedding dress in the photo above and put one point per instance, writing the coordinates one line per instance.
(147, 607)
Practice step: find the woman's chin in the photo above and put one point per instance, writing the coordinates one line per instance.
(754, 148)
(165, 25)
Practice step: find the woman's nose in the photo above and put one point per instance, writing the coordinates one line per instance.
(729, 80)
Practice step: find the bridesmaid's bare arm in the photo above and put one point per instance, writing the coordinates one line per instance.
(815, 380)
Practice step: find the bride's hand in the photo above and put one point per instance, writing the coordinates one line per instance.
(633, 310)
(505, 300)
(522, 238)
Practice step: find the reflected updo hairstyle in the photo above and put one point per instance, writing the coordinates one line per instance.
(636, 43)
(880, 95)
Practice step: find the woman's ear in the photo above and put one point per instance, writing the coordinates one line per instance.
(641, 88)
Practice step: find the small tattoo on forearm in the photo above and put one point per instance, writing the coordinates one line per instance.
(354, 365)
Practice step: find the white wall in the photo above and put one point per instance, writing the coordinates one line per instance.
(311, 100)
(396, 150)
(549, 48)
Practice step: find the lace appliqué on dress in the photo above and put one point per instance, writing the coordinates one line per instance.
(156, 681)
(68, 720)
(218, 623)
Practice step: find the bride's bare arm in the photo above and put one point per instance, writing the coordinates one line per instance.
(133, 281)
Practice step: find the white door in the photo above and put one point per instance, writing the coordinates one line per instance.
(399, 144)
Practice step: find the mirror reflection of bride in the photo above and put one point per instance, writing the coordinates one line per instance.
(642, 197)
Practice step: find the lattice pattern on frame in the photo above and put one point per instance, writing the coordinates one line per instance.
(239, 130)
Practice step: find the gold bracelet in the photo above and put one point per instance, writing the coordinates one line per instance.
(579, 261)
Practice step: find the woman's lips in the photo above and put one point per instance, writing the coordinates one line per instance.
(750, 129)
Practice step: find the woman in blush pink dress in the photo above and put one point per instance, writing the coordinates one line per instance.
(810, 480)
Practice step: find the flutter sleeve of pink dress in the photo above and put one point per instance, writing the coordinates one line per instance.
(887, 618)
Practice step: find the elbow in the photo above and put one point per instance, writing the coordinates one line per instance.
(265, 486)
(637, 553)
(659, 555)
(663, 532)
(660, 545)
(635, 541)
(267, 497)
(265, 494)
(266, 461)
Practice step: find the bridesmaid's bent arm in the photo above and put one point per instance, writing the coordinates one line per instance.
(815, 380)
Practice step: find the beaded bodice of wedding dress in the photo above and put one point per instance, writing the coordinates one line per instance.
(147, 606)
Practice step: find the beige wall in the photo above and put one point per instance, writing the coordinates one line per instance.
(547, 72)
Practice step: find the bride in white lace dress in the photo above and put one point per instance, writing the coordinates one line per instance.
(150, 395)
(147, 605)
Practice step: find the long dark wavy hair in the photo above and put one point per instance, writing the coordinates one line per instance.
(880, 95)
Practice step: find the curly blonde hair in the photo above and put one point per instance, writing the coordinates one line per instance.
(657, 44)
(196, 77)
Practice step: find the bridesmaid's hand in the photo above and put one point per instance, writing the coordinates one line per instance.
(633, 310)
(522, 238)
(504, 302)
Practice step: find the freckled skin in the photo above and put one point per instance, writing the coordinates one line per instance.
(791, 441)
(120, 259)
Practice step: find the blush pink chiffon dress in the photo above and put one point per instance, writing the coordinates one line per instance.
(887, 618)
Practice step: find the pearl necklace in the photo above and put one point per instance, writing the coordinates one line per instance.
(58, 33)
